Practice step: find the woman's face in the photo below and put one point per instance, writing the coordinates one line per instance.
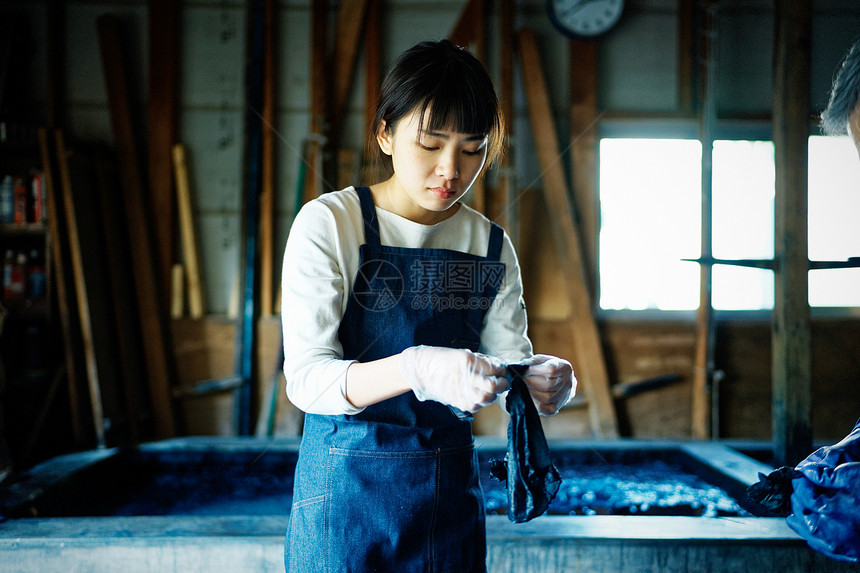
(433, 171)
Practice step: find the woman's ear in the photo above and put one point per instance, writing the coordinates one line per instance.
(383, 138)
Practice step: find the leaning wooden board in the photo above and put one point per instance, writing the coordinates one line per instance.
(590, 364)
(153, 319)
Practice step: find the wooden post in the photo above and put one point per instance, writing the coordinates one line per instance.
(703, 366)
(590, 364)
(792, 377)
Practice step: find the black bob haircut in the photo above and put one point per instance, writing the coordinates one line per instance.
(449, 81)
(845, 94)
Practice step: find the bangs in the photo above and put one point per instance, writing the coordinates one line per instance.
(457, 102)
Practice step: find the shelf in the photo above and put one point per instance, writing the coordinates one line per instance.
(23, 229)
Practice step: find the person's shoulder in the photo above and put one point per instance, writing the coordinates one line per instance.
(333, 208)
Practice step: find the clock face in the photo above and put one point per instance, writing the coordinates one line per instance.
(585, 18)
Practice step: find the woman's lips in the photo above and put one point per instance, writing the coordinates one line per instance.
(442, 192)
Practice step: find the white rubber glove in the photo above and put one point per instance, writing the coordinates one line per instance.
(550, 381)
(456, 377)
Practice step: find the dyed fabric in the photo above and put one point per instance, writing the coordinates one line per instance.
(820, 498)
(825, 503)
(531, 476)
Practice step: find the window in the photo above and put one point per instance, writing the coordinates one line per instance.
(650, 201)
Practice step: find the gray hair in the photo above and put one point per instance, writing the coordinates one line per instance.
(845, 93)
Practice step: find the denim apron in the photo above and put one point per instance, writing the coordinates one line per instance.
(395, 487)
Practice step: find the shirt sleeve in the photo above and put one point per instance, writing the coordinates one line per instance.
(312, 302)
(504, 332)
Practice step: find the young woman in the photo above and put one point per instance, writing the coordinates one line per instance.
(401, 308)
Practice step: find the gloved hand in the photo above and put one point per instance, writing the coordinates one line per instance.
(551, 382)
(456, 377)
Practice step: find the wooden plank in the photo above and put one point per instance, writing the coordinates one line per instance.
(80, 284)
(267, 186)
(372, 74)
(164, 32)
(128, 357)
(313, 181)
(152, 313)
(190, 248)
(583, 135)
(62, 278)
(500, 205)
(348, 33)
(791, 367)
(590, 364)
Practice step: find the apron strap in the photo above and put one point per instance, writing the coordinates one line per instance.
(494, 247)
(368, 214)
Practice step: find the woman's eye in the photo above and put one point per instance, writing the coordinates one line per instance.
(427, 147)
(471, 153)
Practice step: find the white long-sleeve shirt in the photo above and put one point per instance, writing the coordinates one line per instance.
(321, 260)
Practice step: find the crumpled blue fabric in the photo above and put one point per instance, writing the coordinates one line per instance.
(532, 478)
(825, 501)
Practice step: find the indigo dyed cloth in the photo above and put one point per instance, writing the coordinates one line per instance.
(532, 478)
(825, 503)
(820, 498)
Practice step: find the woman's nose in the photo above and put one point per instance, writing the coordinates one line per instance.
(447, 168)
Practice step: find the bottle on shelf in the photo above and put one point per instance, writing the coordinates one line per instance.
(7, 200)
(20, 198)
(8, 263)
(36, 276)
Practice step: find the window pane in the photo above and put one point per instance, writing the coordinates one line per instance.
(650, 208)
(834, 205)
(742, 223)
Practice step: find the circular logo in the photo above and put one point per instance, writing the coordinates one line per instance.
(378, 286)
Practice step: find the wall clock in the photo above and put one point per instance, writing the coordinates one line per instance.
(584, 19)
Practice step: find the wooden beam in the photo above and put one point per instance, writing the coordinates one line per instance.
(791, 366)
(161, 120)
(155, 334)
(267, 185)
(590, 364)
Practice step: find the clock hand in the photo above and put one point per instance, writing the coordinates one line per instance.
(578, 6)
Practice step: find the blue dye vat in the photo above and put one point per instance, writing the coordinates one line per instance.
(222, 483)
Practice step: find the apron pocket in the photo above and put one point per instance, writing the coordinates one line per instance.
(390, 511)
(302, 537)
